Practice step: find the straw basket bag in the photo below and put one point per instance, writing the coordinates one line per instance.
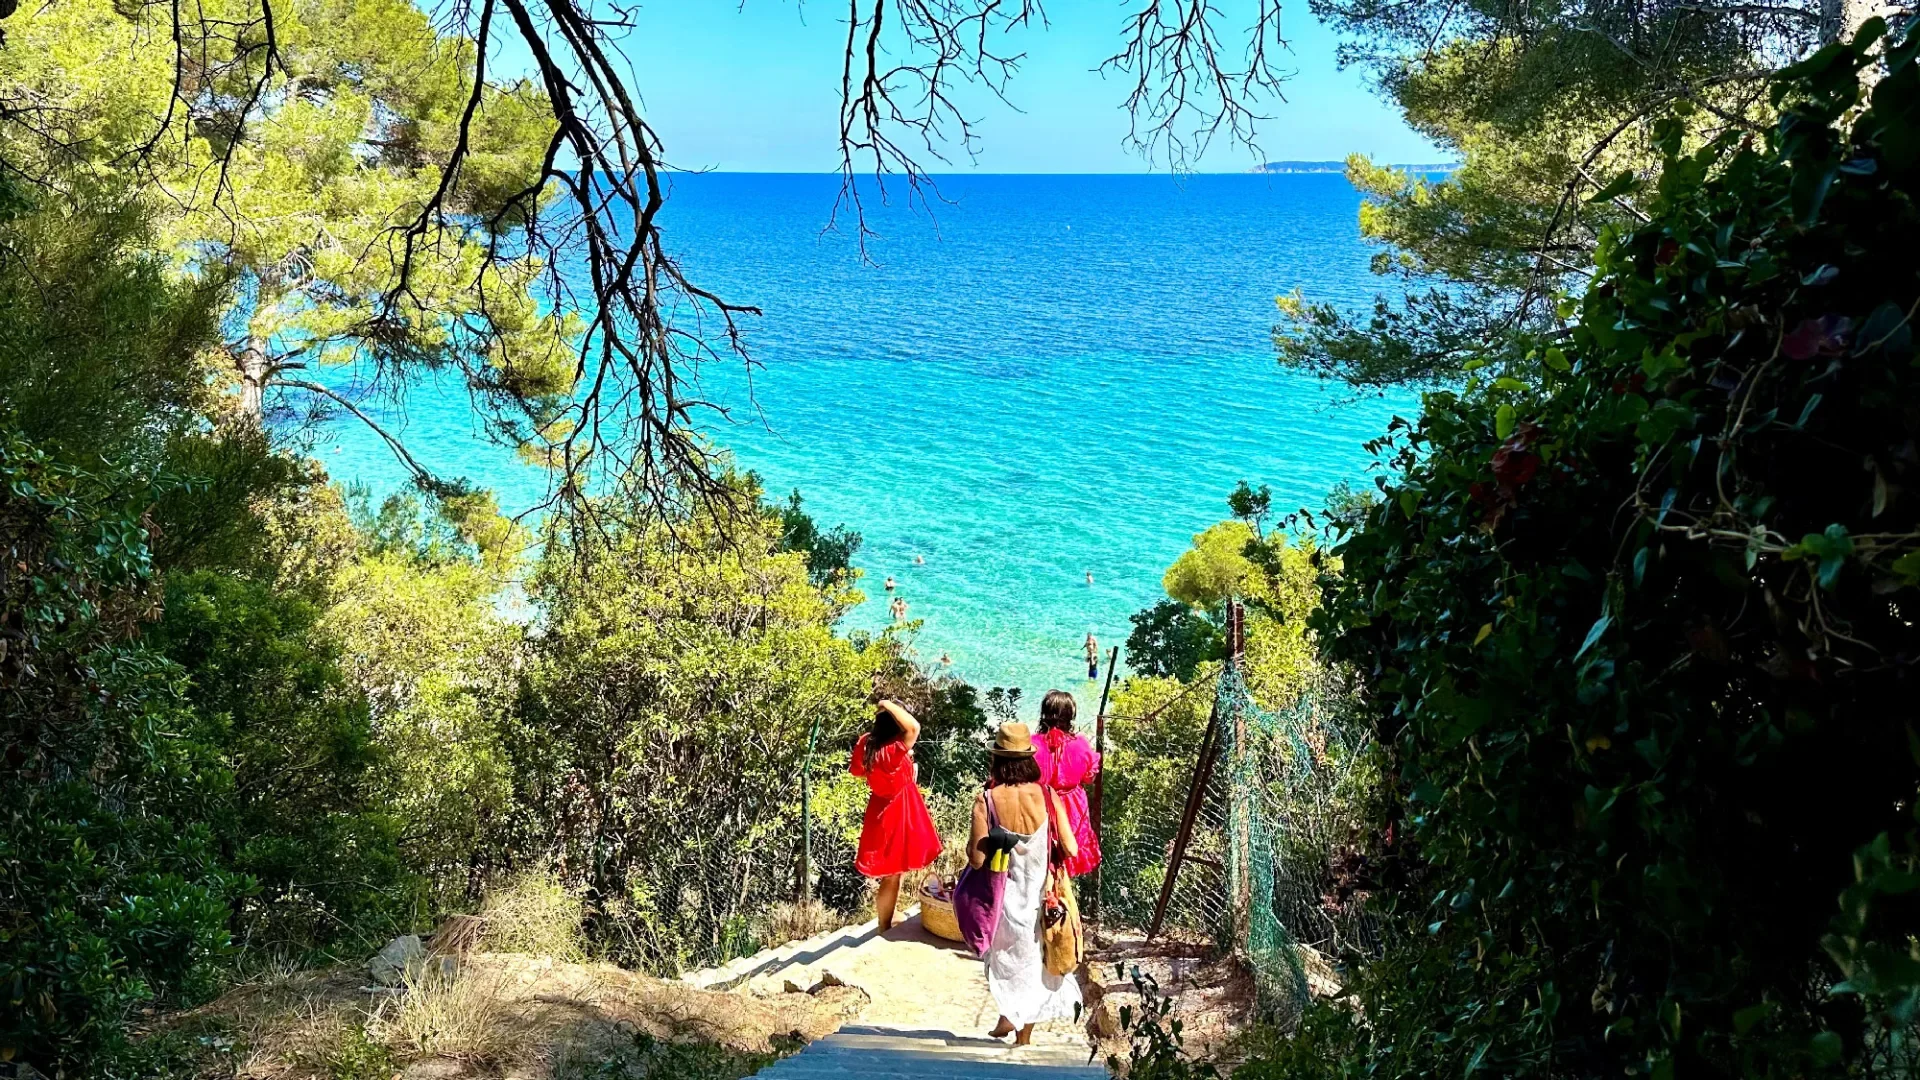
(936, 914)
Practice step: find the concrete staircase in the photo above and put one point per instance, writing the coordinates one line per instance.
(875, 1053)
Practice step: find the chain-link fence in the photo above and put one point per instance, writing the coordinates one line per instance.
(1259, 876)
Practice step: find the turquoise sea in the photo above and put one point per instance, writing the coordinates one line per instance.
(1048, 375)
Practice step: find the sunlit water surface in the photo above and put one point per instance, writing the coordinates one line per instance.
(1053, 375)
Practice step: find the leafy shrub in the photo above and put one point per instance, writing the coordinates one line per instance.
(1637, 624)
(116, 895)
(299, 817)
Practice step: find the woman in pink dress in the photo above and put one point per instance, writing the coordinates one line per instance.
(1067, 763)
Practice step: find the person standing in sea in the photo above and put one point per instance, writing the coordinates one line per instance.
(1093, 656)
(899, 609)
(1067, 765)
(897, 836)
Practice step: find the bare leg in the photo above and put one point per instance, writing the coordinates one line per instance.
(1025, 1038)
(883, 904)
(1002, 1029)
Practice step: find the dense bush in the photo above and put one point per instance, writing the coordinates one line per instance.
(180, 753)
(1637, 625)
(677, 675)
(298, 815)
(115, 893)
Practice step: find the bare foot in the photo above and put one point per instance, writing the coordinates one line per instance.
(1025, 1038)
(1001, 1030)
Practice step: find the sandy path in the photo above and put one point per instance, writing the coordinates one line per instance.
(917, 982)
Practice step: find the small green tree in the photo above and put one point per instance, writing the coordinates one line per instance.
(678, 671)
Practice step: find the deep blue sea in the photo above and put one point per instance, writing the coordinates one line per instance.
(1049, 375)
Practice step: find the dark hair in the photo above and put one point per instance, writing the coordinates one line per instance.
(885, 731)
(1056, 711)
(1014, 769)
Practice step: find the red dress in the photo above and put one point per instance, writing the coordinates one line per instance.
(897, 835)
(1066, 763)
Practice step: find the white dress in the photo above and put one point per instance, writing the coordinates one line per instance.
(1016, 964)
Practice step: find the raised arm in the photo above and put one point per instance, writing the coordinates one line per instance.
(908, 725)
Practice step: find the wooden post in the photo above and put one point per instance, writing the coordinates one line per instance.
(1202, 771)
(1099, 787)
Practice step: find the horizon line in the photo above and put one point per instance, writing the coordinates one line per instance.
(902, 177)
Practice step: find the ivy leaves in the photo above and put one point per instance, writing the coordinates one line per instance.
(1633, 610)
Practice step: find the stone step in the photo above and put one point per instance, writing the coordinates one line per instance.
(866, 1053)
(772, 961)
(899, 1065)
(981, 1049)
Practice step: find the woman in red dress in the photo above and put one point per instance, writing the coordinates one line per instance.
(897, 837)
(1067, 763)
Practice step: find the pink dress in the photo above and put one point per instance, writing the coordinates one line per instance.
(1066, 763)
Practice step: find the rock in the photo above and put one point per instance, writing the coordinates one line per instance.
(846, 1002)
(1103, 1023)
(791, 987)
(435, 1069)
(827, 979)
(391, 965)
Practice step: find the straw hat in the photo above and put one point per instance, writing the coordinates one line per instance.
(1013, 740)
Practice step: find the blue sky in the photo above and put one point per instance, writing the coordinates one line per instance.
(753, 86)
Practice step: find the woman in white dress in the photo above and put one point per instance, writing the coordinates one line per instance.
(1016, 968)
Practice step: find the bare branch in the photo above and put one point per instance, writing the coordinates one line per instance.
(1186, 91)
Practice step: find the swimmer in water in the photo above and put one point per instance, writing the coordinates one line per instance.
(945, 660)
(1093, 656)
(1089, 577)
(919, 560)
(899, 610)
(889, 582)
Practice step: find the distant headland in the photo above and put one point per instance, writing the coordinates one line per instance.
(1341, 166)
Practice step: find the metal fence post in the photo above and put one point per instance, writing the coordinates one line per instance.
(1099, 786)
(806, 817)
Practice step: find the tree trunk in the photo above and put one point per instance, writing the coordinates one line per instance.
(252, 364)
(1841, 19)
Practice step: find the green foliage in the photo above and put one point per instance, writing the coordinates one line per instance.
(1544, 106)
(1171, 640)
(120, 895)
(1153, 736)
(1215, 569)
(284, 194)
(298, 741)
(1154, 1037)
(426, 649)
(829, 553)
(1251, 506)
(358, 1057)
(679, 670)
(1634, 628)
(951, 753)
(99, 347)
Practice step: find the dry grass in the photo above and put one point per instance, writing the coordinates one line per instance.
(795, 921)
(505, 1014)
(534, 914)
(470, 1017)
